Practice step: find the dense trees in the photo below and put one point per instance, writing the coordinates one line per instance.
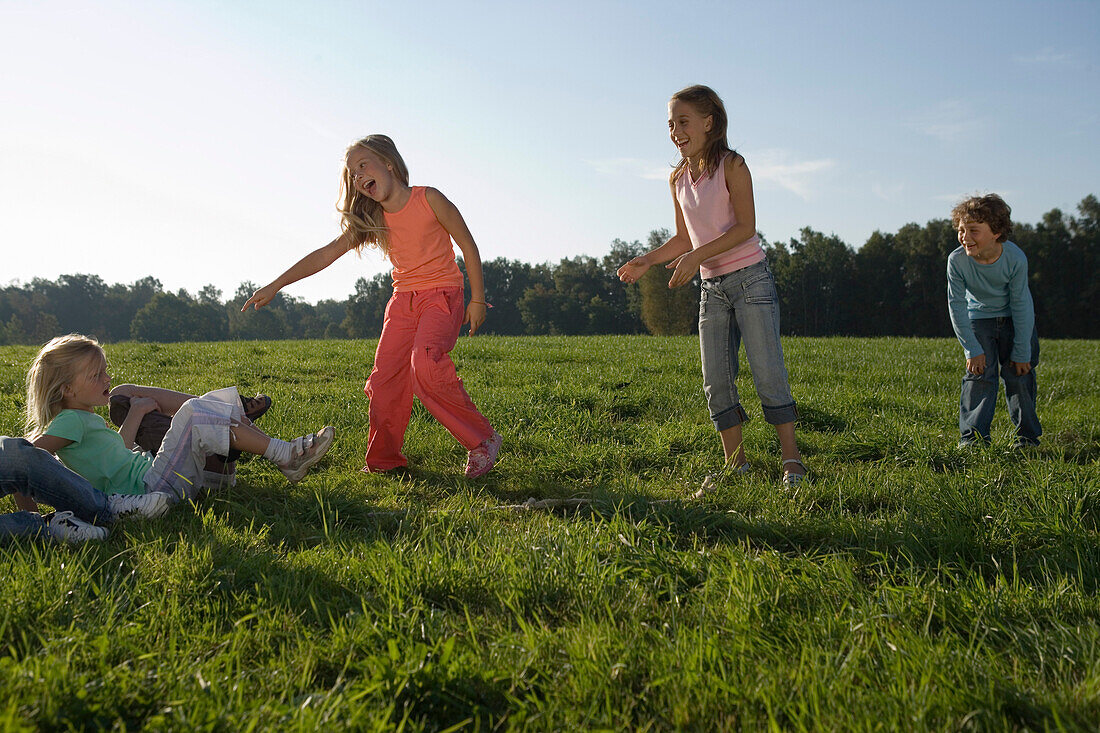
(893, 285)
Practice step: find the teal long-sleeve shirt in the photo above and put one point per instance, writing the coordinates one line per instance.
(991, 291)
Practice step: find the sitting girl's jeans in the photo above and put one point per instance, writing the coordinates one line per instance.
(743, 306)
(36, 473)
(979, 391)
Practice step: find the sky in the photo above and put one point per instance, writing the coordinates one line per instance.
(201, 142)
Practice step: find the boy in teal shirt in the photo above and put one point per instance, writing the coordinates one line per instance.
(994, 319)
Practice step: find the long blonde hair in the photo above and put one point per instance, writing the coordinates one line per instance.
(361, 216)
(57, 365)
(707, 103)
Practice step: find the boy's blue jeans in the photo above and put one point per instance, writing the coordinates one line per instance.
(979, 391)
(743, 306)
(33, 471)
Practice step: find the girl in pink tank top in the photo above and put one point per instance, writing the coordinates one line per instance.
(716, 239)
(414, 227)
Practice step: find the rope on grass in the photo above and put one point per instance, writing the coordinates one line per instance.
(531, 504)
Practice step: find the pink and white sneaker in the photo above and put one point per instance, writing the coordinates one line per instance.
(482, 459)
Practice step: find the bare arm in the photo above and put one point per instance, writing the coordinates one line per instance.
(312, 263)
(139, 408)
(676, 246)
(50, 443)
(168, 401)
(451, 219)
(739, 184)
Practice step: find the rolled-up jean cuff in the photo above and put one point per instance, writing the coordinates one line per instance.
(730, 418)
(780, 415)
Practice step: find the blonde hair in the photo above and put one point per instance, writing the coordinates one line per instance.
(706, 102)
(361, 216)
(56, 366)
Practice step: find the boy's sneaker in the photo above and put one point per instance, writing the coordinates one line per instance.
(65, 527)
(481, 460)
(150, 506)
(306, 451)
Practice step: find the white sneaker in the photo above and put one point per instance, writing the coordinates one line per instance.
(150, 506)
(306, 451)
(65, 527)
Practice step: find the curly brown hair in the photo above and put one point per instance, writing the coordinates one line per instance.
(990, 209)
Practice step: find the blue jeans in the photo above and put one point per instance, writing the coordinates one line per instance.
(979, 391)
(36, 473)
(743, 306)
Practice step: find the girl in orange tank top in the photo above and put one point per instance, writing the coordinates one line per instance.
(414, 227)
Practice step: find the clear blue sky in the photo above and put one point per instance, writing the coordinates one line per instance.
(201, 142)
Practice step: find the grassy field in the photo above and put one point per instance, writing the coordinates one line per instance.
(912, 586)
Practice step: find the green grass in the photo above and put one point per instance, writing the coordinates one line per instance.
(912, 586)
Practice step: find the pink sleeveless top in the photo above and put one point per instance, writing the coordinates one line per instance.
(421, 251)
(708, 213)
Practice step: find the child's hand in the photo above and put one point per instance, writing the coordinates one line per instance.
(144, 405)
(976, 364)
(686, 268)
(475, 316)
(632, 271)
(261, 297)
(1021, 367)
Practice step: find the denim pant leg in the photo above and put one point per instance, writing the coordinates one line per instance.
(33, 471)
(979, 391)
(757, 314)
(1020, 392)
(22, 524)
(719, 342)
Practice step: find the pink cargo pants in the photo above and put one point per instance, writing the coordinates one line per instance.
(413, 358)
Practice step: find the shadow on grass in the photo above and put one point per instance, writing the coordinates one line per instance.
(933, 538)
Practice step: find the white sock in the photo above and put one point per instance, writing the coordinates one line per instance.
(278, 451)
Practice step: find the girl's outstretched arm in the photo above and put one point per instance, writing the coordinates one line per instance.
(312, 263)
(676, 246)
(449, 216)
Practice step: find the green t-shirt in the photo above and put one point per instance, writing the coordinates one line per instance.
(98, 453)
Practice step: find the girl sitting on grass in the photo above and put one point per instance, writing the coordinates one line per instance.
(69, 378)
(31, 475)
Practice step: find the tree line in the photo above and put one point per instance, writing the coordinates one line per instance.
(894, 285)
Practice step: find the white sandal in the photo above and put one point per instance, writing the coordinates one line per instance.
(791, 480)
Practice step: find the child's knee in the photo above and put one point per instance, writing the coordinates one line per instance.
(124, 390)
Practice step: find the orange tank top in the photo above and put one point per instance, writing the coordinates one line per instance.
(421, 250)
